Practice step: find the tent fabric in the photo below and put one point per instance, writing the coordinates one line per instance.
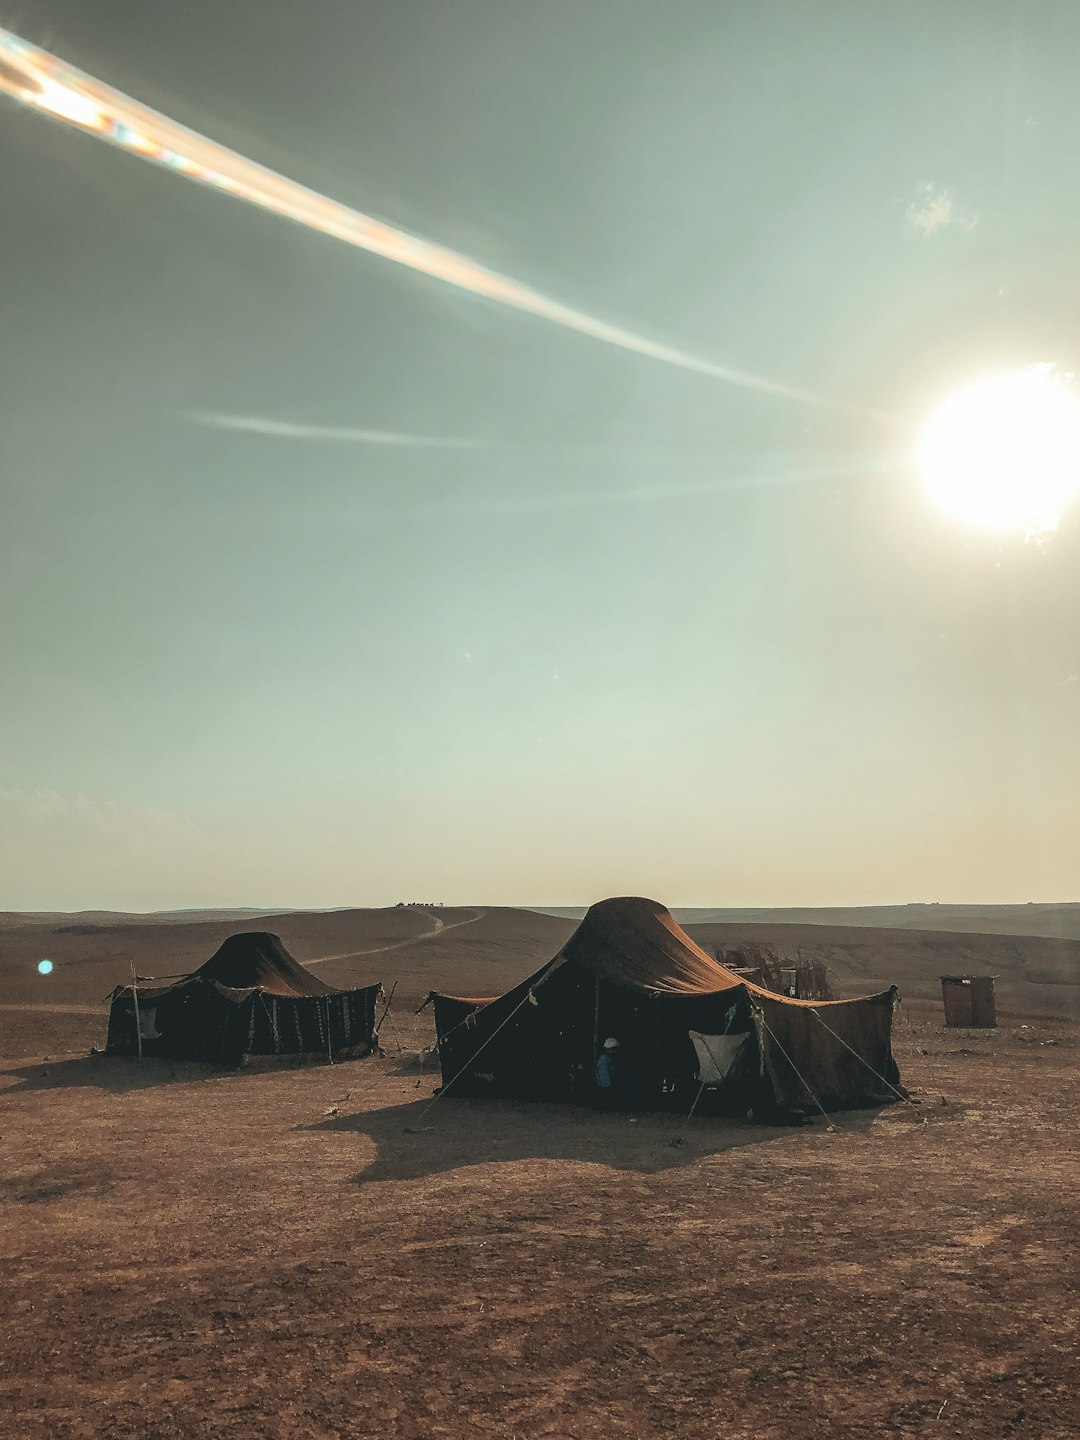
(630, 972)
(637, 943)
(839, 1065)
(257, 959)
(250, 998)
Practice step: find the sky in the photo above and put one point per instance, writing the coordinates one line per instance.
(325, 583)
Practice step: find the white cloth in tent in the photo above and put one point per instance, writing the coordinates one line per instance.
(716, 1054)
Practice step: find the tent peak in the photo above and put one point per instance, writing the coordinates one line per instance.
(634, 941)
(257, 959)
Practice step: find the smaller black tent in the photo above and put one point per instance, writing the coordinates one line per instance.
(250, 998)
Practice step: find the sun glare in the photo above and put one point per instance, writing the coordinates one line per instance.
(1004, 453)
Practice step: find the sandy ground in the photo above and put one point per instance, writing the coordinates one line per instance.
(323, 1252)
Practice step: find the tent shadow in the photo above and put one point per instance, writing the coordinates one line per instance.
(412, 1143)
(118, 1074)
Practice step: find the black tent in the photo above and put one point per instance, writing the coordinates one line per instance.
(250, 998)
(681, 1021)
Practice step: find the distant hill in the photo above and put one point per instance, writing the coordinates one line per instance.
(1059, 921)
(111, 919)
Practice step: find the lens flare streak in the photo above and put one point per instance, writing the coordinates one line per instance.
(43, 82)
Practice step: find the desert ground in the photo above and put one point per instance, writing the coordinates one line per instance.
(330, 1251)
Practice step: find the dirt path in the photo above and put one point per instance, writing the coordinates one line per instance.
(439, 927)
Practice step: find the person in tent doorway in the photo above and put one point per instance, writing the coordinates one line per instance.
(607, 1071)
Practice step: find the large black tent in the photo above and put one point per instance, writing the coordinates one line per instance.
(250, 998)
(681, 1021)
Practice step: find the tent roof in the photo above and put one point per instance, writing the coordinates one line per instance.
(637, 943)
(251, 960)
(257, 959)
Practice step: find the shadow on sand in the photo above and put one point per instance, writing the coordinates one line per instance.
(118, 1074)
(417, 1139)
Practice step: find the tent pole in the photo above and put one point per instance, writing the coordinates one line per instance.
(697, 1097)
(389, 1002)
(393, 1026)
(593, 1058)
(135, 998)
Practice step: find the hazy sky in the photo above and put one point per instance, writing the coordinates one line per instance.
(482, 610)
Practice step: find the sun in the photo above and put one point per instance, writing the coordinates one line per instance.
(1004, 452)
